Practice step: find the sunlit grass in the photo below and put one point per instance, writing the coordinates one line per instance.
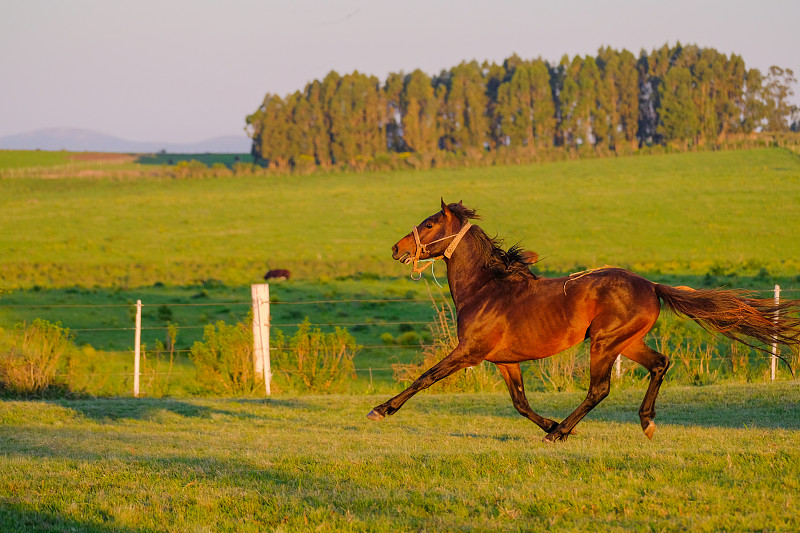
(682, 213)
(29, 158)
(723, 458)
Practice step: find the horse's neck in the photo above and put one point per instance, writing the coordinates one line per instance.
(466, 271)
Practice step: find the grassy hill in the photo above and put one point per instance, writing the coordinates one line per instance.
(690, 213)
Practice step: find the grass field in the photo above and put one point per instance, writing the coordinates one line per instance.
(724, 458)
(12, 159)
(82, 250)
(207, 159)
(683, 214)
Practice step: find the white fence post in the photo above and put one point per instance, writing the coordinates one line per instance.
(618, 365)
(261, 320)
(775, 344)
(137, 346)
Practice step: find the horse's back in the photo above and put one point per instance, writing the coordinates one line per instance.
(614, 298)
(549, 315)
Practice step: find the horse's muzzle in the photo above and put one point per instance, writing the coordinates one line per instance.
(403, 257)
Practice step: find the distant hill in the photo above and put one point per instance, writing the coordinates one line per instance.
(82, 140)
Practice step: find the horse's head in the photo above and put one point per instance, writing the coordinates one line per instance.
(434, 237)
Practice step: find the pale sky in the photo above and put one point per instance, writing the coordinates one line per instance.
(189, 70)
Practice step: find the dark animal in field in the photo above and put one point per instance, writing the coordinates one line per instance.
(505, 314)
(278, 275)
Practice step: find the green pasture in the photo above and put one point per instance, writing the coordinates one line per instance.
(104, 317)
(724, 458)
(207, 159)
(693, 213)
(13, 159)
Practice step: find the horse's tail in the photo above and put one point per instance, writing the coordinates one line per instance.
(736, 315)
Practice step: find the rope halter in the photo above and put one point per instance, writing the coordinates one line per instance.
(422, 248)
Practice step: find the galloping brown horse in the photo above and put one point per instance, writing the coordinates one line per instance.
(506, 315)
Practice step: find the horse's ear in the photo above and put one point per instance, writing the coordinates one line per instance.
(445, 209)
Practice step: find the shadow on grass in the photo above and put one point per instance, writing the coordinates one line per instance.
(107, 410)
(737, 405)
(763, 405)
(17, 517)
(110, 410)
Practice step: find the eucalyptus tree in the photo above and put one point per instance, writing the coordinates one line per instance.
(525, 103)
(419, 107)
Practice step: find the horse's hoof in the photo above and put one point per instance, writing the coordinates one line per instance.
(649, 430)
(375, 416)
(553, 437)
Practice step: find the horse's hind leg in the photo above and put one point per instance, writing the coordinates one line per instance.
(657, 363)
(513, 377)
(602, 359)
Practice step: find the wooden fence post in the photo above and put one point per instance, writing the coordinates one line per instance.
(775, 344)
(137, 348)
(261, 320)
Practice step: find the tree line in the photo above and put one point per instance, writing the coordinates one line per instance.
(524, 110)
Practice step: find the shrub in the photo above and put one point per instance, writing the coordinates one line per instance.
(406, 338)
(220, 170)
(564, 371)
(157, 369)
(313, 361)
(304, 164)
(243, 169)
(30, 356)
(224, 359)
(85, 370)
(690, 350)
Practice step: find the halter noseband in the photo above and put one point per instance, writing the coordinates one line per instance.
(422, 248)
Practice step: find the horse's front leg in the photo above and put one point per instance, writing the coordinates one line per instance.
(458, 359)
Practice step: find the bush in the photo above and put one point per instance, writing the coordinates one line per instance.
(157, 369)
(30, 357)
(313, 361)
(406, 338)
(224, 359)
(565, 371)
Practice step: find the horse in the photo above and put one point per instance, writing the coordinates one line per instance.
(505, 314)
(277, 275)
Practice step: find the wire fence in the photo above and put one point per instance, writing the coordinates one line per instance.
(372, 323)
(128, 331)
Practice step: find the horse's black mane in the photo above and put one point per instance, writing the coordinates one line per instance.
(503, 264)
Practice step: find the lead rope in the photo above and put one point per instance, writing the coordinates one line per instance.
(433, 270)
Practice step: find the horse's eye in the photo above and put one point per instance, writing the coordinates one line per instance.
(429, 225)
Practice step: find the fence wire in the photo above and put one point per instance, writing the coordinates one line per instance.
(714, 359)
